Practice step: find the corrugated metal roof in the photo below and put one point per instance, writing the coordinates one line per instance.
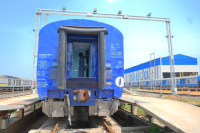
(13, 77)
(143, 66)
(179, 59)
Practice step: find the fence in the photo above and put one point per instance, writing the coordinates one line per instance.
(15, 87)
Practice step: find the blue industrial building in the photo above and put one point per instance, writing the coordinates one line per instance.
(184, 66)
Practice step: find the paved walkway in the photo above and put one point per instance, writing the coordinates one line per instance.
(18, 102)
(179, 116)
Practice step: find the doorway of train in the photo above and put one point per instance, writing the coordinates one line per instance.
(86, 49)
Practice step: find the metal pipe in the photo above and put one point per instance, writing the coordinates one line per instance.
(46, 18)
(34, 50)
(54, 10)
(38, 43)
(171, 58)
(154, 73)
(39, 23)
(150, 71)
(173, 63)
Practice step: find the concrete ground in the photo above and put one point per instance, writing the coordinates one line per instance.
(36, 124)
(4, 95)
(18, 102)
(169, 91)
(179, 116)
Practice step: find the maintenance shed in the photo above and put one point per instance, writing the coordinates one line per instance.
(184, 66)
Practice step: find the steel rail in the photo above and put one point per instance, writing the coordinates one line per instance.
(106, 125)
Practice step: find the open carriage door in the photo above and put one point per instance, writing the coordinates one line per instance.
(62, 55)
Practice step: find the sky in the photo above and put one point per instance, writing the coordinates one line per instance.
(141, 38)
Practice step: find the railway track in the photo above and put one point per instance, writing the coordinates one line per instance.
(180, 91)
(157, 93)
(169, 93)
(118, 123)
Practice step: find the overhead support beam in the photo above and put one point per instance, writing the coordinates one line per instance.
(125, 16)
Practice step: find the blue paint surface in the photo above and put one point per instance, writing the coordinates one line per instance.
(179, 59)
(143, 66)
(48, 60)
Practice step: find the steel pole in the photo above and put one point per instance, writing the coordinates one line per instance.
(151, 73)
(171, 58)
(35, 51)
(173, 63)
(46, 18)
(154, 73)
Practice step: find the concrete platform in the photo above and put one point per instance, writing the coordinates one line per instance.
(4, 95)
(179, 116)
(18, 102)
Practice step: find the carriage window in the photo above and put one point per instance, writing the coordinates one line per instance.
(188, 81)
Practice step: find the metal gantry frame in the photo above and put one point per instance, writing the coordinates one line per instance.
(48, 12)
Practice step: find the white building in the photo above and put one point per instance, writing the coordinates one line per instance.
(184, 66)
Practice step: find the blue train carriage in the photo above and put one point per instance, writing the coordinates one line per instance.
(57, 68)
(158, 83)
(189, 82)
(8, 82)
(182, 82)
